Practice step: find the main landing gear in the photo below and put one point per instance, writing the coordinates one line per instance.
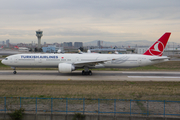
(86, 71)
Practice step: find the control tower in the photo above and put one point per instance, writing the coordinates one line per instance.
(39, 35)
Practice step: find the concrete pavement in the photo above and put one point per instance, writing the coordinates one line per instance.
(97, 75)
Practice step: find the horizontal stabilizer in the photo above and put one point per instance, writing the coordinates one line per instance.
(161, 58)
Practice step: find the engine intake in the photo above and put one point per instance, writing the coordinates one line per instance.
(65, 68)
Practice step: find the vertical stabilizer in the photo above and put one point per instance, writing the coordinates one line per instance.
(158, 47)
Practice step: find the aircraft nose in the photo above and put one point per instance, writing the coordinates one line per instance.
(2, 61)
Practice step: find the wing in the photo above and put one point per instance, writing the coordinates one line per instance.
(91, 63)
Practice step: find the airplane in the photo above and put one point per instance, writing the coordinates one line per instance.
(116, 52)
(16, 47)
(66, 63)
(88, 52)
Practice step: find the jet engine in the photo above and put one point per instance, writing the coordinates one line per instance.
(65, 68)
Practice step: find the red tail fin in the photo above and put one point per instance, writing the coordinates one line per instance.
(158, 47)
(16, 47)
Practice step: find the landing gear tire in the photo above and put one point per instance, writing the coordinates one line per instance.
(86, 73)
(14, 72)
(90, 73)
(83, 73)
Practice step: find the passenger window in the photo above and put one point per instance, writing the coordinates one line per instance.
(6, 58)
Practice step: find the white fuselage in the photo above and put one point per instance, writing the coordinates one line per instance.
(53, 60)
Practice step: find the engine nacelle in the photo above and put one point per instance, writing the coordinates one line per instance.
(65, 68)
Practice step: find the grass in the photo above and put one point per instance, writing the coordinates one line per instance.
(166, 66)
(92, 89)
(3, 56)
(141, 106)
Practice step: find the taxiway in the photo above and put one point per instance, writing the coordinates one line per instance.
(97, 75)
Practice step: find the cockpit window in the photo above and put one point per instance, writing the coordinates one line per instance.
(6, 58)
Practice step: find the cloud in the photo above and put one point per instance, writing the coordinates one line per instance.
(89, 19)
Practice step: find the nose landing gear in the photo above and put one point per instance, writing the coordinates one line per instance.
(14, 70)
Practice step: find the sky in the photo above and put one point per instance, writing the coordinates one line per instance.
(88, 20)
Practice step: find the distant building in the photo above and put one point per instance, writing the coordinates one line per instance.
(55, 44)
(49, 49)
(32, 43)
(78, 44)
(22, 45)
(52, 49)
(23, 49)
(141, 50)
(7, 43)
(67, 44)
(99, 43)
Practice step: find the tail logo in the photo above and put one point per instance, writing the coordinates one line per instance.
(157, 48)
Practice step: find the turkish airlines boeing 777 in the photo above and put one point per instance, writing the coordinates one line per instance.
(66, 63)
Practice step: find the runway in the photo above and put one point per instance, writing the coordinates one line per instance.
(97, 75)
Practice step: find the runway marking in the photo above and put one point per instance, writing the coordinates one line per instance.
(158, 72)
(152, 77)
